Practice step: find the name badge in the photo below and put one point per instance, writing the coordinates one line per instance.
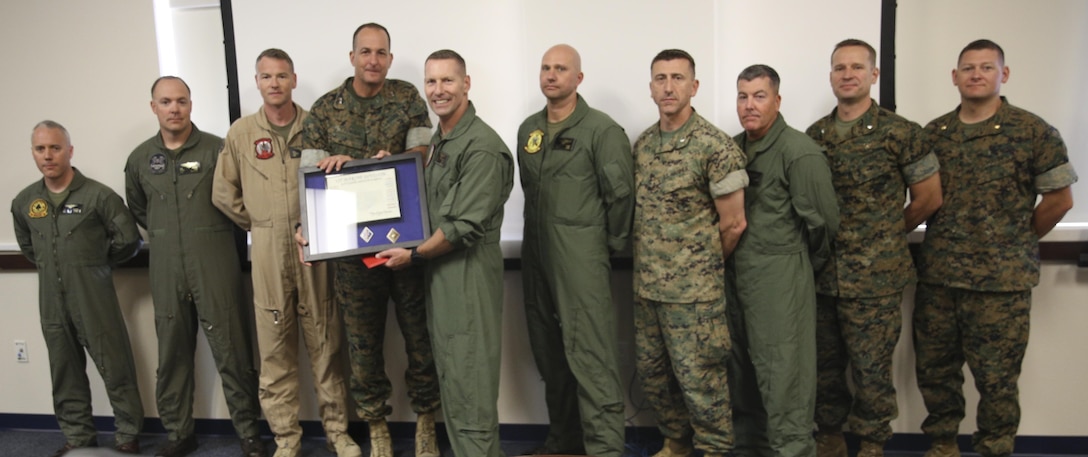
(72, 208)
(566, 144)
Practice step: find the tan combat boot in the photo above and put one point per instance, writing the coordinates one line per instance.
(381, 444)
(944, 447)
(344, 446)
(830, 443)
(288, 451)
(426, 441)
(871, 449)
(675, 448)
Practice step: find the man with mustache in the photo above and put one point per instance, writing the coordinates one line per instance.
(689, 214)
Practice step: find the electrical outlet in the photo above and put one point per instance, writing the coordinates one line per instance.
(21, 354)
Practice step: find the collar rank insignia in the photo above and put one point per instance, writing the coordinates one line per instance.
(536, 138)
(38, 209)
(263, 148)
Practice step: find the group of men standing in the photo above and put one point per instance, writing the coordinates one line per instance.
(768, 266)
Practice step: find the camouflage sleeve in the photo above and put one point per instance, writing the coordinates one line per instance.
(313, 127)
(722, 167)
(419, 123)
(1050, 161)
(921, 169)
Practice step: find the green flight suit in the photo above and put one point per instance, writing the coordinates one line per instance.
(469, 175)
(75, 246)
(195, 279)
(578, 208)
(792, 216)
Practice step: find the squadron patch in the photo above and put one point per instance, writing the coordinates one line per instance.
(38, 209)
(72, 208)
(263, 148)
(187, 168)
(536, 138)
(158, 164)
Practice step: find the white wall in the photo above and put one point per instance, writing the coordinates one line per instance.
(94, 77)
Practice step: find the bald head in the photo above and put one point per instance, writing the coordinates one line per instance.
(564, 53)
(560, 73)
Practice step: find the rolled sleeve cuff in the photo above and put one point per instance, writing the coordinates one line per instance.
(732, 182)
(1059, 177)
(417, 136)
(921, 169)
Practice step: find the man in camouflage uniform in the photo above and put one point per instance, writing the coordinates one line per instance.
(875, 157)
(689, 214)
(368, 115)
(256, 185)
(980, 257)
(469, 175)
(196, 279)
(75, 230)
(792, 217)
(576, 170)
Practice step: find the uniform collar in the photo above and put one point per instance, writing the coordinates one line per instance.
(462, 125)
(194, 138)
(951, 127)
(867, 123)
(753, 148)
(262, 118)
(77, 181)
(680, 136)
(581, 108)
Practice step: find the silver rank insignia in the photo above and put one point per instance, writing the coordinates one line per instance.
(393, 235)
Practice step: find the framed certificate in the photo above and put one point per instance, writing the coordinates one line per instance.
(368, 206)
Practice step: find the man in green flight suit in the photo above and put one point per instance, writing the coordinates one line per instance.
(469, 175)
(875, 156)
(792, 217)
(689, 214)
(980, 257)
(75, 230)
(368, 116)
(578, 178)
(195, 273)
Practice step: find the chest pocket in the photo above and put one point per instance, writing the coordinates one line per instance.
(857, 169)
(347, 141)
(681, 194)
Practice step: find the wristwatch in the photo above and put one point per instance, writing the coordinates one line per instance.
(417, 258)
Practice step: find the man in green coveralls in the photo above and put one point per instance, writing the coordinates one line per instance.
(875, 157)
(689, 214)
(980, 257)
(367, 116)
(792, 218)
(195, 275)
(256, 185)
(469, 175)
(577, 176)
(75, 230)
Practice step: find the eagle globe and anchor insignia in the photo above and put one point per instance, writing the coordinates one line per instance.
(536, 138)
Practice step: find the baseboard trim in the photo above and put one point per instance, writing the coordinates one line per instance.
(905, 442)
